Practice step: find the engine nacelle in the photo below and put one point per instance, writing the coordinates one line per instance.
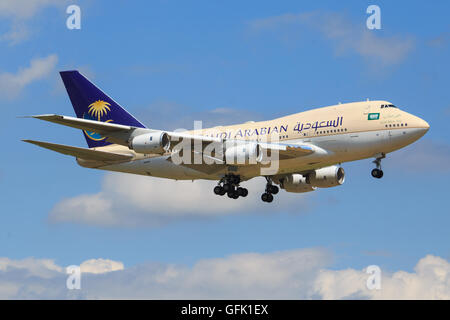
(295, 183)
(246, 153)
(155, 142)
(326, 177)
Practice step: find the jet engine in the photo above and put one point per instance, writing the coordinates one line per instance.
(295, 183)
(321, 178)
(248, 153)
(157, 142)
(326, 177)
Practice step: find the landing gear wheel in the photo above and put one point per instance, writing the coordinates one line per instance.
(377, 173)
(233, 194)
(229, 184)
(219, 190)
(242, 192)
(273, 189)
(267, 197)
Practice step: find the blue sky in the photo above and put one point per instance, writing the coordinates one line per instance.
(172, 62)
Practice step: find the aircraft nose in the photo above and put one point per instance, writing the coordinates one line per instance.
(422, 124)
(418, 126)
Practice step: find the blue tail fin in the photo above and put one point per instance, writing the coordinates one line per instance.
(89, 102)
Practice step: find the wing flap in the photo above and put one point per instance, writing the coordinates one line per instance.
(83, 153)
(286, 151)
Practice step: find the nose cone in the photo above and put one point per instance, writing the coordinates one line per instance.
(422, 125)
(418, 127)
(426, 126)
(412, 129)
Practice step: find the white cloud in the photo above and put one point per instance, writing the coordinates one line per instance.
(33, 278)
(18, 33)
(100, 266)
(43, 268)
(11, 84)
(285, 274)
(431, 280)
(25, 9)
(129, 201)
(345, 36)
(20, 11)
(291, 274)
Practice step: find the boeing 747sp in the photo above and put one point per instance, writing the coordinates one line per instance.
(299, 152)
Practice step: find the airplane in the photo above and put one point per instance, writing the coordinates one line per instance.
(299, 152)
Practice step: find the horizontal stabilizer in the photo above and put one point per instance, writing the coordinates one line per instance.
(83, 124)
(82, 153)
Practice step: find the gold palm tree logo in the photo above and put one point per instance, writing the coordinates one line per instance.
(99, 108)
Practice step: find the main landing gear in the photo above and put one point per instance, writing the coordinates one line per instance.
(377, 172)
(270, 191)
(230, 185)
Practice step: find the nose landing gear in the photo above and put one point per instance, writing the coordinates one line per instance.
(377, 172)
(267, 196)
(229, 184)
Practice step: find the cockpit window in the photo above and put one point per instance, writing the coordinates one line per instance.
(388, 106)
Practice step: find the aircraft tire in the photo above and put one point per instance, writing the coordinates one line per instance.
(218, 190)
(377, 173)
(274, 189)
(267, 197)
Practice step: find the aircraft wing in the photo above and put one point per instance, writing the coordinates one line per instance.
(288, 151)
(115, 133)
(121, 134)
(83, 153)
(218, 160)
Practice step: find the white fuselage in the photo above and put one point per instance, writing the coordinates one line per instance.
(366, 130)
